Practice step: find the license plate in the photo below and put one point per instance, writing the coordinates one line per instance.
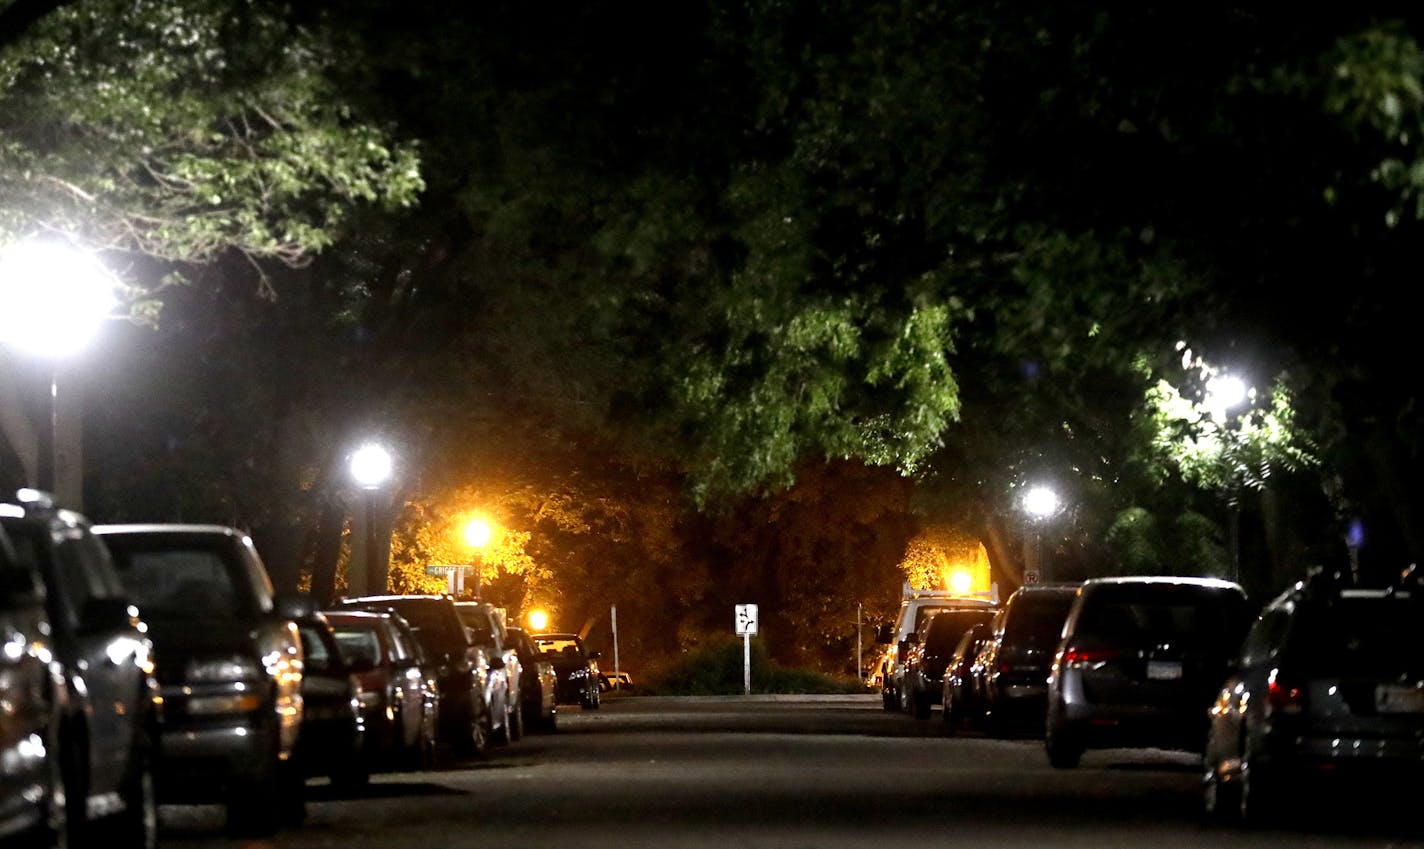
(1392, 698)
(1163, 670)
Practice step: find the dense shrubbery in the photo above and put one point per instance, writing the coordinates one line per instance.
(715, 669)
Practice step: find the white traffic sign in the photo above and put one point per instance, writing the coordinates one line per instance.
(746, 619)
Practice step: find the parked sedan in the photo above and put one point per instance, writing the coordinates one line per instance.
(576, 667)
(332, 738)
(462, 671)
(537, 684)
(398, 702)
(960, 709)
(78, 701)
(1011, 683)
(1328, 691)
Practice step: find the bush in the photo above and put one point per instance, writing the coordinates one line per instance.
(716, 669)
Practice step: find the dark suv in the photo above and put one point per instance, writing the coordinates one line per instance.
(1328, 687)
(1140, 662)
(927, 657)
(229, 666)
(1011, 681)
(86, 720)
(462, 670)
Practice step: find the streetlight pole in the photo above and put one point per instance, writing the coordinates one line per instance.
(1223, 393)
(371, 466)
(53, 299)
(477, 534)
(1040, 503)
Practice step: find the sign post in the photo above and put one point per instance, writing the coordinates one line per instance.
(746, 615)
(613, 619)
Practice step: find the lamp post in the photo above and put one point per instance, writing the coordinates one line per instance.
(1225, 392)
(371, 466)
(1040, 503)
(477, 536)
(53, 297)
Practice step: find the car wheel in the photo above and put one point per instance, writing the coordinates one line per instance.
(516, 723)
(1221, 800)
(920, 705)
(1065, 750)
(1258, 795)
(54, 825)
(480, 733)
(136, 827)
(252, 810)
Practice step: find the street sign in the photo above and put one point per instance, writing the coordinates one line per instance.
(746, 619)
(435, 570)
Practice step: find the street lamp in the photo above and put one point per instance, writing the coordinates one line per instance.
(1040, 503)
(1224, 392)
(477, 536)
(53, 298)
(371, 467)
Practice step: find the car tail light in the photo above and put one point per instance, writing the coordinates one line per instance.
(1281, 697)
(1075, 656)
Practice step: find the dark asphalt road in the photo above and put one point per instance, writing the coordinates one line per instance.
(780, 773)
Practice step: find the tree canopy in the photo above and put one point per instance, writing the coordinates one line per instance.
(963, 242)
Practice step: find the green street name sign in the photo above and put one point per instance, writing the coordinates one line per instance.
(436, 569)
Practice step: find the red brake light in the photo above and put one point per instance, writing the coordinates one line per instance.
(1281, 697)
(1075, 656)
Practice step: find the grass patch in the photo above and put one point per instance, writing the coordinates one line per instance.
(716, 669)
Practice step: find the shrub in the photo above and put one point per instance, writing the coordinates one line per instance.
(715, 669)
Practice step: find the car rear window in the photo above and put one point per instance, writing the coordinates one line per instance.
(1037, 618)
(947, 627)
(1372, 637)
(437, 624)
(1179, 613)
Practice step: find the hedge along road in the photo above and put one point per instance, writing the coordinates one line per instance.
(784, 772)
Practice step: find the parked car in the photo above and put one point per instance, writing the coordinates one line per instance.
(575, 666)
(79, 714)
(929, 654)
(617, 681)
(399, 701)
(537, 683)
(332, 738)
(916, 607)
(461, 669)
(486, 626)
(959, 708)
(1140, 662)
(1327, 691)
(1011, 680)
(229, 667)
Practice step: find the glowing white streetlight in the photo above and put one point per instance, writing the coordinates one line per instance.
(1040, 502)
(1223, 393)
(53, 298)
(371, 467)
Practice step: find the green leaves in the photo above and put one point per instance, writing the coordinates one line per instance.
(181, 131)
